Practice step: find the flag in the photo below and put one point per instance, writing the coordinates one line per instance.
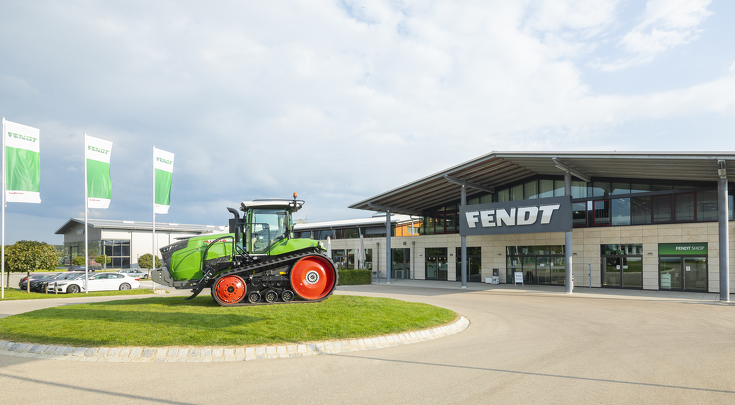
(99, 186)
(163, 167)
(23, 163)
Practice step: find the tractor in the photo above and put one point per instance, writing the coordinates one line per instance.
(257, 262)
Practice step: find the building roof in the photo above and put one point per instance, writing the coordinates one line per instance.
(139, 225)
(377, 220)
(501, 168)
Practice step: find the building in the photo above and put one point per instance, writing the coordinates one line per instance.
(639, 220)
(124, 241)
(344, 240)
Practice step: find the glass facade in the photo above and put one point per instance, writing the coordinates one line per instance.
(622, 265)
(474, 264)
(436, 263)
(545, 264)
(614, 202)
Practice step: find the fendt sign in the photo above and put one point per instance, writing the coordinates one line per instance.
(527, 216)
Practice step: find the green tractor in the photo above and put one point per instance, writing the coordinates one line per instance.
(257, 262)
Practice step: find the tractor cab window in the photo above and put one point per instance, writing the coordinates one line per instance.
(268, 226)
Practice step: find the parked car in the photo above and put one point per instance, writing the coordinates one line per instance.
(23, 284)
(81, 268)
(48, 286)
(41, 285)
(134, 273)
(97, 282)
(38, 284)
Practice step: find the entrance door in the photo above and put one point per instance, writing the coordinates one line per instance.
(401, 259)
(670, 273)
(695, 273)
(529, 270)
(683, 273)
(436, 263)
(611, 276)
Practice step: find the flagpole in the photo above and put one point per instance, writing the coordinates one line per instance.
(153, 259)
(2, 273)
(86, 227)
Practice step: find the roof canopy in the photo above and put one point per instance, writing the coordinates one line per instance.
(139, 225)
(501, 168)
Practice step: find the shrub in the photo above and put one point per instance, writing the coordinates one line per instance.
(354, 277)
(77, 261)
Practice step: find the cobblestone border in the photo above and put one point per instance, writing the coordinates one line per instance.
(216, 354)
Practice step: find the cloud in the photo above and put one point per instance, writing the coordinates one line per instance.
(337, 101)
(665, 24)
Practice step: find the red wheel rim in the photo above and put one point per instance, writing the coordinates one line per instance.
(312, 277)
(230, 289)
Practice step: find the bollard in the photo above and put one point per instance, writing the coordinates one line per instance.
(55, 290)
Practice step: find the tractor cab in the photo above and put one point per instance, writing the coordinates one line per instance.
(266, 225)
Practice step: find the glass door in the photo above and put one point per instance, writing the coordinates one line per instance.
(558, 271)
(695, 273)
(632, 272)
(670, 273)
(436, 263)
(543, 269)
(611, 274)
(529, 270)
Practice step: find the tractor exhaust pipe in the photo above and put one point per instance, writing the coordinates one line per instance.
(234, 222)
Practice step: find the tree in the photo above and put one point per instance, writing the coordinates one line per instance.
(104, 260)
(78, 261)
(29, 255)
(146, 260)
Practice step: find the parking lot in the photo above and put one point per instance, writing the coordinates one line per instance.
(523, 346)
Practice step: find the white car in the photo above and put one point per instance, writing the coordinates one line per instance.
(134, 273)
(97, 282)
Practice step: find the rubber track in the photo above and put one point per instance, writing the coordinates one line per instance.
(275, 263)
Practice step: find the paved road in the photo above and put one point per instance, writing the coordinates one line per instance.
(522, 347)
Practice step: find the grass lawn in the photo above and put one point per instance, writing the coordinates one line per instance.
(16, 294)
(172, 321)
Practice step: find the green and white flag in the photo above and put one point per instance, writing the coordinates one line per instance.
(22, 163)
(99, 186)
(163, 167)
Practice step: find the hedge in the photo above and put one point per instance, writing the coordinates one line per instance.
(354, 277)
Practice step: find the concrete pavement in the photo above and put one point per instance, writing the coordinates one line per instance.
(523, 346)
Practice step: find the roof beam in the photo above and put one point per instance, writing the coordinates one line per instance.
(469, 184)
(394, 209)
(571, 171)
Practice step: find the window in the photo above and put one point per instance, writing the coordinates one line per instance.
(600, 189)
(661, 208)
(640, 210)
(516, 193)
(707, 205)
(504, 195)
(119, 252)
(601, 210)
(579, 189)
(579, 214)
(684, 207)
(620, 211)
(546, 188)
(530, 189)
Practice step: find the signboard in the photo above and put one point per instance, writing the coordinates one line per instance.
(527, 216)
(666, 281)
(518, 277)
(682, 249)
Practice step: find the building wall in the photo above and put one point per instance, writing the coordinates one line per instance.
(585, 249)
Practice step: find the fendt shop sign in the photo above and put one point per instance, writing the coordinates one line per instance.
(527, 216)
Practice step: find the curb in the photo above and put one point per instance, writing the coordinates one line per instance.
(218, 354)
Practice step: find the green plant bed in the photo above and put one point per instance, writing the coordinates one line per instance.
(172, 321)
(354, 277)
(16, 294)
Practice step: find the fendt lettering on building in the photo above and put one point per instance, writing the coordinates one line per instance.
(516, 217)
(552, 214)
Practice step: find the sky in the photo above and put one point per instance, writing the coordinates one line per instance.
(343, 100)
